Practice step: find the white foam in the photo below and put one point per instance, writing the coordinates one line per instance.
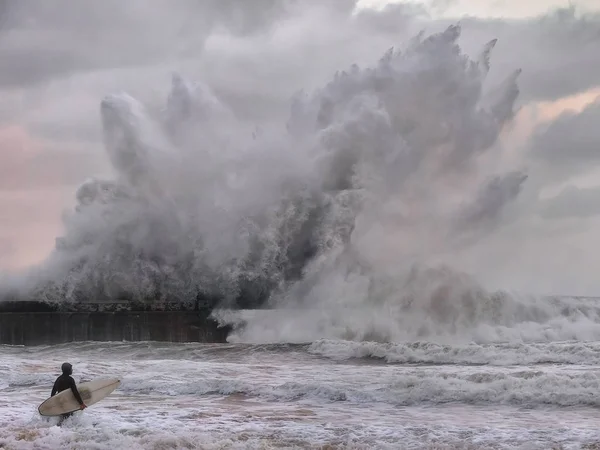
(572, 352)
(240, 396)
(446, 320)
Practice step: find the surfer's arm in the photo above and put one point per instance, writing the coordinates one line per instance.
(54, 390)
(76, 392)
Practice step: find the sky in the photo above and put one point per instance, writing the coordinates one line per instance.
(490, 8)
(59, 59)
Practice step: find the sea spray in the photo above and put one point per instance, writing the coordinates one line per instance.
(371, 182)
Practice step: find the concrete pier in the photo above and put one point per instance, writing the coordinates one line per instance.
(31, 323)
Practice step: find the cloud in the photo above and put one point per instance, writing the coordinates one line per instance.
(30, 164)
(572, 202)
(556, 51)
(29, 224)
(17, 149)
(40, 41)
(7, 249)
(570, 144)
(255, 59)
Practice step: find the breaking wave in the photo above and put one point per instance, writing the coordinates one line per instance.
(428, 353)
(382, 165)
(325, 351)
(520, 387)
(448, 313)
(355, 206)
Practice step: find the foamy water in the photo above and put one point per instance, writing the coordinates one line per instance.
(329, 393)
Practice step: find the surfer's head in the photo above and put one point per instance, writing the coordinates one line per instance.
(67, 368)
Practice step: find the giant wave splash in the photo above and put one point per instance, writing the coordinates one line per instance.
(347, 205)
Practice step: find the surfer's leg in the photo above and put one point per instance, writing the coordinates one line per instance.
(63, 417)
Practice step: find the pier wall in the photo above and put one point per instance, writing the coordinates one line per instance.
(32, 325)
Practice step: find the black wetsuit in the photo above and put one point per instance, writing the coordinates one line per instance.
(63, 383)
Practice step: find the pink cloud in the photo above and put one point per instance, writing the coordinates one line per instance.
(29, 218)
(17, 153)
(29, 222)
(16, 148)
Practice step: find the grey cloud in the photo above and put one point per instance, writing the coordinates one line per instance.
(558, 52)
(40, 41)
(572, 202)
(45, 40)
(392, 19)
(254, 72)
(51, 41)
(571, 143)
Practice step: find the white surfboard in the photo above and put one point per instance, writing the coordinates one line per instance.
(91, 392)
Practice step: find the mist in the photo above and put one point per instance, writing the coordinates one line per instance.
(267, 159)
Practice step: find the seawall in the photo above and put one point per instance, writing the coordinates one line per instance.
(26, 323)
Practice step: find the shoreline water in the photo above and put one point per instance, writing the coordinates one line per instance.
(246, 396)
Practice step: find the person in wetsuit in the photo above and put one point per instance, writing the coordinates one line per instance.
(64, 382)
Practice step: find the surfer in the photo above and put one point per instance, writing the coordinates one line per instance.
(64, 382)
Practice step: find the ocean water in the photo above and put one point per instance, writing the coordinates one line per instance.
(326, 394)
